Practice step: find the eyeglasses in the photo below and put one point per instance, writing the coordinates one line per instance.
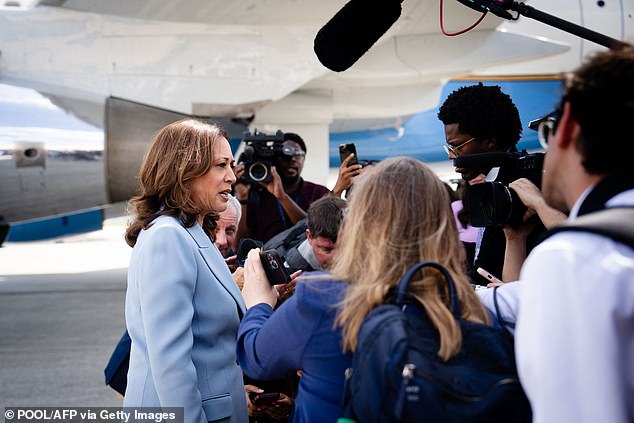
(290, 151)
(451, 149)
(545, 127)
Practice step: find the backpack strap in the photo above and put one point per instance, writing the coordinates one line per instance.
(616, 223)
(400, 296)
(498, 315)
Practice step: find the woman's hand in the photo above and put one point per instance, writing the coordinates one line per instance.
(238, 277)
(248, 389)
(281, 408)
(257, 288)
(286, 290)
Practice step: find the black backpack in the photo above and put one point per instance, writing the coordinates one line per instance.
(397, 376)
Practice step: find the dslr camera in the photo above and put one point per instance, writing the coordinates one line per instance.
(260, 151)
(493, 203)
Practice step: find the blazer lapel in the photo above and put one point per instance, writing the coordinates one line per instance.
(217, 266)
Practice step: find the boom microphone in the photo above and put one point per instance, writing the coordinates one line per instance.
(353, 30)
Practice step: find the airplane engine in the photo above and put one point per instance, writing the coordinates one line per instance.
(40, 180)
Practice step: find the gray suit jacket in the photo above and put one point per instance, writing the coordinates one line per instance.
(182, 311)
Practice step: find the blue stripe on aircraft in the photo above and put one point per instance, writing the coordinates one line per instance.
(423, 134)
(49, 227)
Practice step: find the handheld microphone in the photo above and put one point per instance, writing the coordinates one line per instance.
(353, 30)
(246, 245)
(485, 160)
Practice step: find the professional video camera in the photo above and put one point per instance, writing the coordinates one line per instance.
(493, 203)
(259, 153)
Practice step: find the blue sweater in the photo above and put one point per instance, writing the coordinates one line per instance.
(299, 336)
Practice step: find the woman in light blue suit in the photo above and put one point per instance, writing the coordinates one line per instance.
(182, 306)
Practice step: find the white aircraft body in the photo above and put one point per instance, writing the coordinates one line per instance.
(132, 66)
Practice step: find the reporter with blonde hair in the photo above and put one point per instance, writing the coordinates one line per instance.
(398, 216)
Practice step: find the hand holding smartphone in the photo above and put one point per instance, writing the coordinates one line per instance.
(345, 150)
(492, 279)
(265, 399)
(274, 267)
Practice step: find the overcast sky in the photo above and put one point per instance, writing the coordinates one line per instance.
(25, 115)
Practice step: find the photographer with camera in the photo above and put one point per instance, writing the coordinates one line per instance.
(275, 202)
(482, 119)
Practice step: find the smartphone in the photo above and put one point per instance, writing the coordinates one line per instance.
(487, 275)
(274, 267)
(345, 150)
(266, 398)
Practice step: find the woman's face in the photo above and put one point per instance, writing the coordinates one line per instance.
(210, 192)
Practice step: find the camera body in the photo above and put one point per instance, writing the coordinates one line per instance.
(259, 155)
(494, 203)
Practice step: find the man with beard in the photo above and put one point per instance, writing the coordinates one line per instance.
(277, 205)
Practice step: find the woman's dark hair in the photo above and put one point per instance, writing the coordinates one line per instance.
(180, 152)
(485, 113)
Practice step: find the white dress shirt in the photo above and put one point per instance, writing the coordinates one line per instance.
(575, 330)
(508, 302)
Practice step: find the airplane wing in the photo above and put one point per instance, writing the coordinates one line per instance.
(134, 65)
(237, 58)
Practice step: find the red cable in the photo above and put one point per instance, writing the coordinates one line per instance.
(451, 34)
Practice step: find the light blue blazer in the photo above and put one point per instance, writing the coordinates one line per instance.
(183, 311)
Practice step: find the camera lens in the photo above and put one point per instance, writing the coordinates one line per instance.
(258, 172)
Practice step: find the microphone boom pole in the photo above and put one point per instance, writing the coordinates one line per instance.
(585, 33)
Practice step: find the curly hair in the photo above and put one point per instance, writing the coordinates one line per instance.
(180, 152)
(601, 101)
(484, 112)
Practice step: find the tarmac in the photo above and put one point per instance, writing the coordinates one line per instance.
(61, 315)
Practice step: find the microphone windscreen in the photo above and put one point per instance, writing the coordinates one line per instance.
(246, 245)
(483, 160)
(353, 30)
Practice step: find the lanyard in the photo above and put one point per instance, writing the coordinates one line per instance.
(281, 209)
